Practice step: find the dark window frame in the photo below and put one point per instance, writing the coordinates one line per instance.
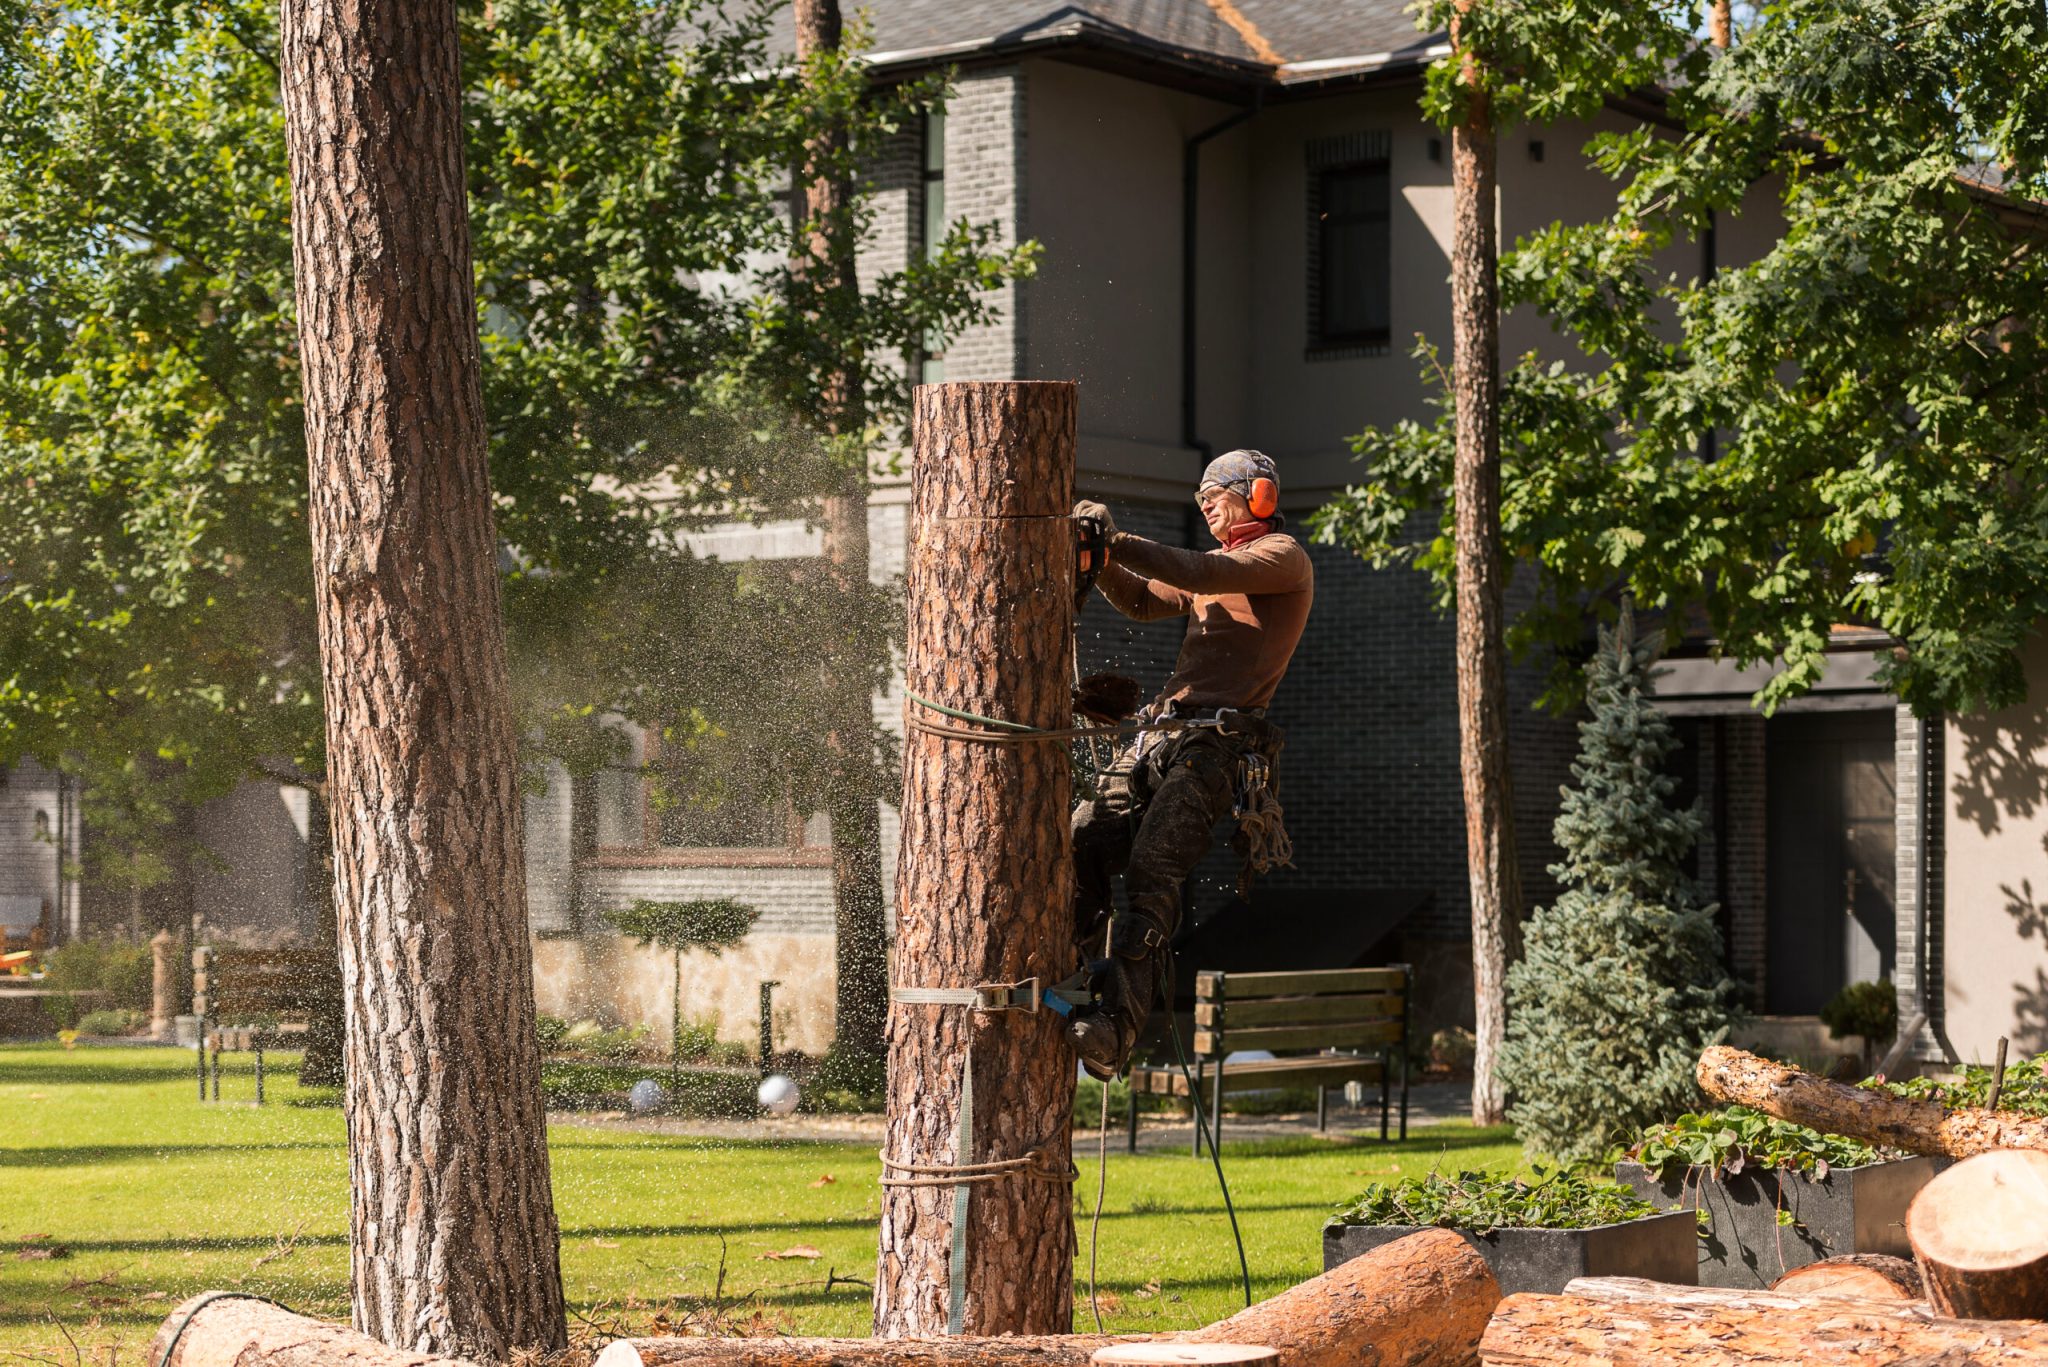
(1367, 341)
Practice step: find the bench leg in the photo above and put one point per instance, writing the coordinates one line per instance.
(259, 1075)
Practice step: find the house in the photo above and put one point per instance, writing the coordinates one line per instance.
(1245, 221)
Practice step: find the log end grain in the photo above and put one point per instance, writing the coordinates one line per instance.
(1862, 1276)
(1980, 1233)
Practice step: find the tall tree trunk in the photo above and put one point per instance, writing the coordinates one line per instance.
(985, 877)
(321, 1065)
(860, 913)
(453, 1240)
(1495, 879)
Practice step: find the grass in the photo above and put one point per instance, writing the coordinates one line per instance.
(147, 1196)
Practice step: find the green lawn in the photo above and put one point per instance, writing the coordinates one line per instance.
(145, 1196)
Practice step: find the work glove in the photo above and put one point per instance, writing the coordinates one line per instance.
(1100, 512)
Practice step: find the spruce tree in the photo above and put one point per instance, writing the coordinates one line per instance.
(1621, 983)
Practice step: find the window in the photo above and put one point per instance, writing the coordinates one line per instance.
(1350, 247)
(932, 361)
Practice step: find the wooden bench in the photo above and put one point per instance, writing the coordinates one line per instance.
(1325, 1028)
(250, 1000)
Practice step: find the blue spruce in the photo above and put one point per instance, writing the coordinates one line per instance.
(1621, 983)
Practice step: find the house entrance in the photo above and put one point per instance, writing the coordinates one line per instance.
(1831, 856)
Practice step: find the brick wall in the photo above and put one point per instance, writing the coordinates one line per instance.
(984, 154)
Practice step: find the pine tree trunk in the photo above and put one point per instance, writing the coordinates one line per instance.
(453, 1241)
(860, 912)
(321, 1065)
(1481, 651)
(985, 877)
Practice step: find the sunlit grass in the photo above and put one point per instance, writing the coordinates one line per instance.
(108, 1155)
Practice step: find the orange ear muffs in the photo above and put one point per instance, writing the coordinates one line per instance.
(1265, 499)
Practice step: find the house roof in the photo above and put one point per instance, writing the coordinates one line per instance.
(1242, 42)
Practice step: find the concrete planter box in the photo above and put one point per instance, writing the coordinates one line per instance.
(1659, 1247)
(1851, 1210)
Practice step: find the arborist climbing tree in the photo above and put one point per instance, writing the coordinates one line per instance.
(1156, 816)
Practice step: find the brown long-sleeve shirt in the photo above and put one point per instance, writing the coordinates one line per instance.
(1245, 607)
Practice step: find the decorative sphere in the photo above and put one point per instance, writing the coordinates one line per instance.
(646, 1096)
(778, 1095)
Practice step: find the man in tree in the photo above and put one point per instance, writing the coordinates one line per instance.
(1246, 605)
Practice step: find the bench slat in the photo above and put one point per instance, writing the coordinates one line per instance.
(1329, 1070)
(1238, 986)
(1237, 1014)
(1278, 1037)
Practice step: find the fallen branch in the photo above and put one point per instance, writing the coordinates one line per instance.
(1421, 1301)
(1623, 1322)
(1860, 1113)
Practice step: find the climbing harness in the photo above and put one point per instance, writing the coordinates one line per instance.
(963, 1175)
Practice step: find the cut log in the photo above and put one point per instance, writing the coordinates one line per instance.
(1980, 1232)
(227, 1329)
(1422, 1301)
(1625, 1322)
(1874, 1117)
(1860, 1276)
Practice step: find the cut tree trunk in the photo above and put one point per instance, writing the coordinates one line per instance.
(241, 1331)
(1980, 1232)
(985, 878)
(1420, 1302)
(860, 913)
(1623, 1322)
(1495, 879)
(453, 1239)
(1860, 1276)
(1860, 1113)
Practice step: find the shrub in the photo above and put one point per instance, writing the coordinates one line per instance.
(124, 971)
(1867, 1009)
(110, 1021)
(1483, 1201)
(1620, 985)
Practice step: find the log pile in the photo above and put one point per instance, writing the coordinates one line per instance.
(1622, 1322)
(1422, 1301)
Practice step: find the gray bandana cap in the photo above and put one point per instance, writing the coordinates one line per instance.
(1235, 471)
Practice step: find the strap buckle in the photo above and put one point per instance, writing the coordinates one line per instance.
(1023, 995)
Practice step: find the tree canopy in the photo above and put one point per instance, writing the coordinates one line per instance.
(647, 368)
(1847, 429)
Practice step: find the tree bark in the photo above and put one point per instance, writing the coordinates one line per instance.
(453, 1240)
(1860, 1276)
(1623, 1322)
(1422, 1301)
(860, 911)
(985, 874)
(1874, 1117)
(327, 1030)
(1493, 874)
(244, 1332)
(1980, 1232)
